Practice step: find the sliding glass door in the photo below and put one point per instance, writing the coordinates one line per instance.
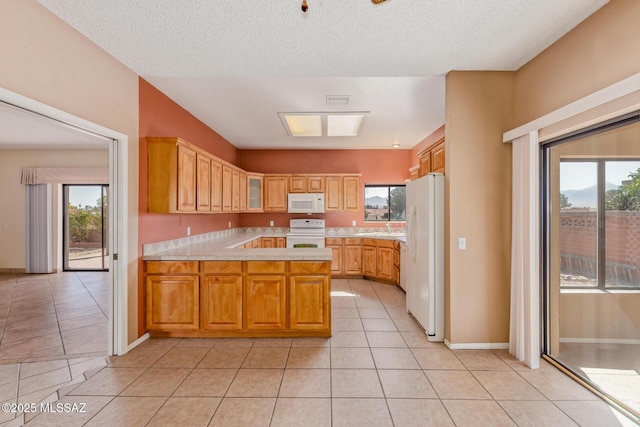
(85, 227)
(592, 257)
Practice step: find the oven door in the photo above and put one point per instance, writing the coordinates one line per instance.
(304, 241)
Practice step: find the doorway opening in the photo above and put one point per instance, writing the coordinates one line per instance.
(85, 227)
(591, 229)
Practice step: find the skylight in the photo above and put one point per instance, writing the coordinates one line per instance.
(323, 123)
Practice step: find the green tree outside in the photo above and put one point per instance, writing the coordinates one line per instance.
(626, 197)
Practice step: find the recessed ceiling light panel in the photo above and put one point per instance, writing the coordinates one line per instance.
(340, 123)
(344, 124)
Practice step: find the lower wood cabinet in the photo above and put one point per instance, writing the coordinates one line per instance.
(310, 296)
(266, 302)
(173, 302)
(221, 296)
(238, 298)
(369, 259)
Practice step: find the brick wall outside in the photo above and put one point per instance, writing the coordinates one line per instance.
(578, 244)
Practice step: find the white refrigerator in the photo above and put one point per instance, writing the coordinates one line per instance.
(425, 253)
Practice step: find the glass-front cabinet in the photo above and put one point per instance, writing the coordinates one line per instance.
(254, 193)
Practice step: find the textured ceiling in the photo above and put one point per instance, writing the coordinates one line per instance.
(235, 63)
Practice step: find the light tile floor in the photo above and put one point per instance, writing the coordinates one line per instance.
(53, 328)
(378, 369)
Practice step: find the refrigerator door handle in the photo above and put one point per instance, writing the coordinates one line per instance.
(413, 245)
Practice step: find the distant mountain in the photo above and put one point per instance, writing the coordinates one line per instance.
(587, 197)
(376, 201)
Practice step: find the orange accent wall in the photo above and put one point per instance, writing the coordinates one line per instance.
(160, 116)
(376, 167)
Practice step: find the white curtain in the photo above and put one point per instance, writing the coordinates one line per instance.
(38, 211)
(524, 333)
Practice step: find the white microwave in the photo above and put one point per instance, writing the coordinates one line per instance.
(306, 203)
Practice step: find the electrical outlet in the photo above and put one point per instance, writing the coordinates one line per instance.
(188, 231)
(229, 224)
(353, 223)
(270, 223)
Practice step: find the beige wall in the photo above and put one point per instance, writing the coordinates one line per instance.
(600, 51)
(46, 60)
(479, 109)
(12, 208)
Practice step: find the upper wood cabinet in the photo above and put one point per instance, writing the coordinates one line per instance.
(203, 183)
(254, 193)
(216, 186)
(242, 190)
(315, 184)
(172, 175)
(298, 184)
(333, 194)
(275, 193)
(437, 158)
(227, 188)
(235, 190)
(351, 193)
(431, 159)
(186, 179)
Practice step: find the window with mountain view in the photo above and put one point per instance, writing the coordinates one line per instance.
(385, 203)
(599, 206)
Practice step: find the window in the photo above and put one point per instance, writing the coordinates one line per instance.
(385, 203)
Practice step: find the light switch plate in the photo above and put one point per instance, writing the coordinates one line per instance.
(462, 243)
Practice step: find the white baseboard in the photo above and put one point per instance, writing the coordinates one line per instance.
(601, 340)
(477, 345)
(138, 342)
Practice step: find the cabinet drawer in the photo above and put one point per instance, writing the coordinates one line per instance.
(171, 267)
(309, 267)
(350, 241)
(368, 242)
(222, 267)
(384, 243)
(265, 267)
(333, 241)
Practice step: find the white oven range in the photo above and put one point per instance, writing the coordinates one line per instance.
(306, 233)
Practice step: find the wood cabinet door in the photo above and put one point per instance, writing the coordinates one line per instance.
(297, 184)
(336, 259)
(334, 193)
(265, 302)
(221, 303)
(254, 193)
(281, 242)
(235, 190)
(227, 188)
(352, 260)
(268, 242)
(172, 302)
(384, 263)
(425, 164)
(437, 158)
(315, 184)
(369, 261)
(275, 188)
(216, 186)
(310, 302)
(203, 183)
(243, 191)
(351, 193)
(186, 179)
